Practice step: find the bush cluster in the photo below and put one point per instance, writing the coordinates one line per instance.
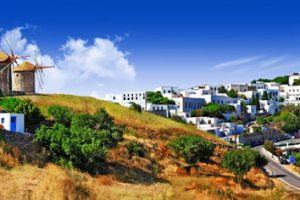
(136, 149)
(157, 98)
(192, 148)
(213, 110)
(82, 141)
(240, 161)
(31, 112)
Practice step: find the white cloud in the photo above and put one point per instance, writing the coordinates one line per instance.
(272, 61)
(81, 64)
(236, 62)
(102, 59)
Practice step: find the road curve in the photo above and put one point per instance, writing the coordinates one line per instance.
(279, 170)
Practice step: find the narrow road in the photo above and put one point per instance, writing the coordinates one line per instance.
(279, 170)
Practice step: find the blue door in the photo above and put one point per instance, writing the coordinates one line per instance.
(13, 124)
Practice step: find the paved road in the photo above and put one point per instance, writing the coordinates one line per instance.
(279, 170)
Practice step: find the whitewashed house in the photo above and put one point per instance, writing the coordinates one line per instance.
(186, 105)
(269, 106)
(13, 122)
(293, 77)
(126, 98)
(167, 91)
(162, 110)
(251, 109)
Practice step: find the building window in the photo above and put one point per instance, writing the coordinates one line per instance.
(2, 120)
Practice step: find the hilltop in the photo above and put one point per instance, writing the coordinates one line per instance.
(158, 175)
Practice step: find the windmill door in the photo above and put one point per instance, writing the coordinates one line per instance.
(13, 124)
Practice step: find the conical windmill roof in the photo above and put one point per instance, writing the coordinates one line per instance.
(3, 57)
(25, 66)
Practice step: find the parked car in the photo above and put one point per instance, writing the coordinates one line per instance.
(297, 135)
(283, 160)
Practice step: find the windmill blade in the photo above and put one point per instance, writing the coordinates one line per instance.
(4, 51)
(5, 67)
(40, 81)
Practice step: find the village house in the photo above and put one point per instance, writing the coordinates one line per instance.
(293, 77)
(13, 122)
(126, 98)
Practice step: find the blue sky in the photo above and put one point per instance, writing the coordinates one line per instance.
(181, 43)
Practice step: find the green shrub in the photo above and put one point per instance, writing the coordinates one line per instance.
(178, 118)
(240, 161)
(232, 93)
(31, 112)
(296, 82)
(157, 98)
(192, 148)
(222, 90)
(136, 149)
(265, 96)
(84, 144)
(288, 122)
(61, 114)
(297, 159)
(216, 110)
(136, 107)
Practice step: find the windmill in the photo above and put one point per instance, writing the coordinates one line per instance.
(7, 61)
(26, 74)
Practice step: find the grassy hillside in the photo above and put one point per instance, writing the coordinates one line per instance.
(158, 175)
(141, 124)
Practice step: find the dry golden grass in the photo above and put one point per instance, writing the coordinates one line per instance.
(146, 124)
(210, 181)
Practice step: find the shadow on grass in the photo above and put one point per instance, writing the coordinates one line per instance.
(130, 174)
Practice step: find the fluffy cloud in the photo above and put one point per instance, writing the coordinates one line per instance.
(80, 66)
(102, 59)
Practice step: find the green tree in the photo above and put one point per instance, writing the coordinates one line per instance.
(265, 96)
(222, 90)
(61, 114)
(232, 93)
(232, 118)
(253, 100)
(242, 96)
(31, 112)
(157, 98)
(296, 82)
(288, 122)
(297, 159)
(136, 107)
(84, 144)
(192, 148)
(136, 149)
(240, 161)
(257, 102)
(281, 99)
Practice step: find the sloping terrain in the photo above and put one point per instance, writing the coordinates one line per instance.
(157, 175)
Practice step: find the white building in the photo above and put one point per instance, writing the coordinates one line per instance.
(269, 106)
(126, 98)
(291, 94)
(167, 91)
(293, 77)
(238, 87)
(13, 122)
(251, 109)
(186, 105)
(163, 110)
